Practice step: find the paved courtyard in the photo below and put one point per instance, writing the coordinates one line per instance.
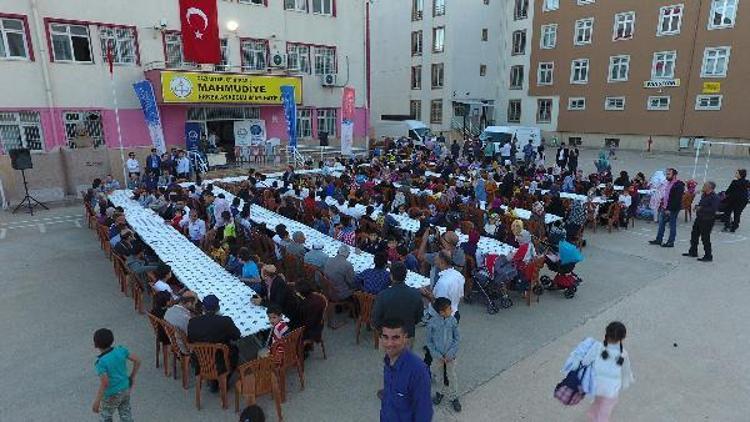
(687, 324)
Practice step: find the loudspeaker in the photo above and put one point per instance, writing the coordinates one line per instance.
(323, 137)
(20, 159)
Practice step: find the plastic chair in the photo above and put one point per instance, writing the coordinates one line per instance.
(292, 346)
(121, 272)
(319, 340)
(366, 302)
(205, 353)
(256, 378)
(613, 219)
(177, 336)
(332, 304)
(163, 349)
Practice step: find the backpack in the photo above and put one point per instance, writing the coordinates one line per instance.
(569, 391)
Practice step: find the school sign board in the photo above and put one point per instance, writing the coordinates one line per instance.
(202, 88)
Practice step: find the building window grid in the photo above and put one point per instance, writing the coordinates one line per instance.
(83, 124)
(415, 109)
(550, 5)
(22, 129)
(585, 2)
(516, 77)
(670, 20)
(295, 5)
(438, 39)
(436, 111)
(417, 10)
(664, 64)
(708, 102)
(485, 34)
(658, 103)
(325, 60)
(619, 68)
(521, 9)
(544, 110)
(579, 71)
(576, 103)
(173, 48)
(438, 7)
(255, 56)
(416, 43)
(545, 75)
(416, 77)
(71, 43)
(715, 62)
(438, 75)
(514, 111)
(723, 14)
(322, 7)
(624, 26)
(121, 40)
(253, 2)
(482, 70)
(549, 36)
(327, 120)
(519, 42)
(614, 103)
(13, 42)
(225, 64)
(304, 123)
(298, 57)
(584, 29)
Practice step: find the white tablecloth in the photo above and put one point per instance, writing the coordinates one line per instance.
(193, 268)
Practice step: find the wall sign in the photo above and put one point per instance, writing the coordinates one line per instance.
(662, 83)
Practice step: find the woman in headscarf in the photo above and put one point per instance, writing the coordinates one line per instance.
(480, 192)
(524, 256)
(602, 164)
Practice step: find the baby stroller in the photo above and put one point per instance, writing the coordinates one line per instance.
(493, 286)
(562, 260)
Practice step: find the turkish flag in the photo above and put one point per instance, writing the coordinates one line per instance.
(200, 31)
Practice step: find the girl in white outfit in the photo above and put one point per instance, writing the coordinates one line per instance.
(612, 373)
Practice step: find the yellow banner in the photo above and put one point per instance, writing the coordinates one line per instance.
(195, 87)
(711, 87)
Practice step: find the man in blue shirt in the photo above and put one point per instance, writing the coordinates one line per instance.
(406, 379)
(374, 280)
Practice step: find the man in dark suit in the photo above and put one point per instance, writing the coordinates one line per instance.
(669, 207)
(153, 162)
(562, 156)
(705, 215)
(213, 328)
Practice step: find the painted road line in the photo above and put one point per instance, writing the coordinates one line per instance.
(78, 224)
(42, 228)
(3, 232)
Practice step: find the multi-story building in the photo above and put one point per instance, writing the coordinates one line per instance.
(436, 61)
(58, 97)
(626, 71)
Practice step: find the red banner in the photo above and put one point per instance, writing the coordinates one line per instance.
(200, 31)
(347, 104)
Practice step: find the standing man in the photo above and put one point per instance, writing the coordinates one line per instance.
(705, 215)
(398, 301)
(450, 284)
(528, 153)
(669, 207)
(183, 166)
(153, 163)
(406, 379)
(562, 156)
(455, 149)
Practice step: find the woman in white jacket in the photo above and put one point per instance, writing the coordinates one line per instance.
(611, 372)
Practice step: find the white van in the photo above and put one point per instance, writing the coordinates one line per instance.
(417, 131)
(499, 135)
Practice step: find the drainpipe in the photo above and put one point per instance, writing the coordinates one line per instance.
(688, 101)
(44, 63)
(367, 76)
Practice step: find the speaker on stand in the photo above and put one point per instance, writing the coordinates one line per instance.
(20, 159)
(323, 137)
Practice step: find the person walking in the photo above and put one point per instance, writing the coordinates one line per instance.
(443, 342)
(736, 196)
(406, 379)
(705, 215)
(115, 383)
(669, 206)
(611, 372)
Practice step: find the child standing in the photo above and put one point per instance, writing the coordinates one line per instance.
(442, 342)
(114, 382)
(612, 373)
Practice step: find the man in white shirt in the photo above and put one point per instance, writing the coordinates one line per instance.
(220, 205)
(180, 313)
(196, 227)
(505, 152)
(183, 166)
(450, 284)
(132, 164)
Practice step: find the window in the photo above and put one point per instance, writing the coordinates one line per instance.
(663, 65)
(416, 43)
(619, 68)
(70, 43)
(576, 103)
(544, 110)
(173, 49)
(122, 42)
(325, 60)
(304, 123)
(327, 121)
(297, 56)
(13, 42)
(255, 55)
(482, 70)
(579, 71)
(670, 20)
(514, 111)
(415, 109)
(255, 2)
(614, 103)
(624, 26)
(521, 9)
(583, 31)
(21, 129)
(516, 77)
(225, 64)
(723, 14)
(582, 2)
(417, 9)
(83, 126)
(708, 102)
(546, 73)
(519, 42)
(416, 77)
(575, 140)
(436, 111)
(438, 7)
(715, 62)
(438, 75)
(486, 2)
(485, 34)
(322, 7)
(550, 5)
(438, 39)
(296, 5)
(658, 103)
(549, 36)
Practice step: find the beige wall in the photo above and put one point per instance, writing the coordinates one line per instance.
(681, 119)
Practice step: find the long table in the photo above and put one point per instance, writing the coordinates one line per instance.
(192, 267)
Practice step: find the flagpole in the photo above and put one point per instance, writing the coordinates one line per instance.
(110, 59)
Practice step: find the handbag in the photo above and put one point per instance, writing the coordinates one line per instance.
(569, 391)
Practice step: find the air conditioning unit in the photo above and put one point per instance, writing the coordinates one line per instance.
(329, 79)
(278, 60)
